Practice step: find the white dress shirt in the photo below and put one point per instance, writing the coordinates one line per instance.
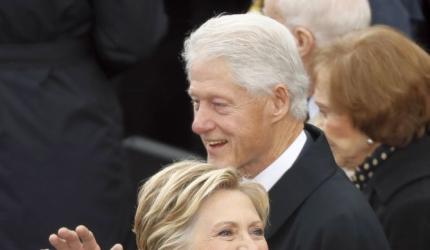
(270, 175)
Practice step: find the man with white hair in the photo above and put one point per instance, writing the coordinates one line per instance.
(315, 23)
(248, 88)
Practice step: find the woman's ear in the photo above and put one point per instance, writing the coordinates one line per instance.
(305, 41)
(280, 102)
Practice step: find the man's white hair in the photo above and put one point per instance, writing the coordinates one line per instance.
(326, 19)
(259, 51)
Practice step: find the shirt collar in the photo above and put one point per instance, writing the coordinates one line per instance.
(270, 175)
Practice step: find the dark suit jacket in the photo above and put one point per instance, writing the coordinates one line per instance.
(60, 122)
(399, 192)
(315, 207)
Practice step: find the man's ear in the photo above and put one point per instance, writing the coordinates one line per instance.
(280, 102)
(305, 41)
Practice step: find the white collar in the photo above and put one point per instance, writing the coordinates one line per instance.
(270, 175)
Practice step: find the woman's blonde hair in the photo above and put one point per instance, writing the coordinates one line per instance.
(168, 201)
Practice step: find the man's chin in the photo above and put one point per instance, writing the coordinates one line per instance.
(219, 162)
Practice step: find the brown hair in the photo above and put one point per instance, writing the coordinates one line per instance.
(169, 200)
(381, 80)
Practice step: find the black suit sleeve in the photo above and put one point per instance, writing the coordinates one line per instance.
(344, 231)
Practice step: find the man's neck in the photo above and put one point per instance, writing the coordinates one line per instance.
(271, 174)
(284, 134)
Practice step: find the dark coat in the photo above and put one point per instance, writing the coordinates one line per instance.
(60, 122)
(315, 207)
(411, 17)
(399, 192)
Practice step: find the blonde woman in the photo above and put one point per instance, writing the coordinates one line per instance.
(191, 205)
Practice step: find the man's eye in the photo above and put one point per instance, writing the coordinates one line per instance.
(221, 108)
(219, 104)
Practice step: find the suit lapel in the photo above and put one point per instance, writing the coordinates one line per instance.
(314, 165)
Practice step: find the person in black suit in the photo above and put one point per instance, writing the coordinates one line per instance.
(60, 123)
(376, 115)
(249, 87)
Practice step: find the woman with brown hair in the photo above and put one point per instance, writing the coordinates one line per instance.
(373, 91)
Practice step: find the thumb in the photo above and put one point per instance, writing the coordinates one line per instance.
(117, 247)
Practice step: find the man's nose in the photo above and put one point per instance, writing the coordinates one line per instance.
(203, 121)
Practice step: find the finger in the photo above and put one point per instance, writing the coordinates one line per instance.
(71, 238)
(117, 247)
(87, 237)
(57, 242)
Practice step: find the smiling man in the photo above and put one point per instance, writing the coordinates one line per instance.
(248, 88)
(232, 122)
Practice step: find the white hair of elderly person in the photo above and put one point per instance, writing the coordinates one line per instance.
(316, 23)
(268, 57)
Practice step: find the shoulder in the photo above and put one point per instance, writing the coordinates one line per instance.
(407, 222)
(338, 196)
(336, 216)
(338, 208)
(412, 200)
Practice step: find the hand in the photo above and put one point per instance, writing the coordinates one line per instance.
(80, 239)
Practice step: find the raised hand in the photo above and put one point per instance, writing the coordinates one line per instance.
(79, 239)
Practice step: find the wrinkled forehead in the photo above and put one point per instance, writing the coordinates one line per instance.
(214, 73)
(218, 88)
(214, 65)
